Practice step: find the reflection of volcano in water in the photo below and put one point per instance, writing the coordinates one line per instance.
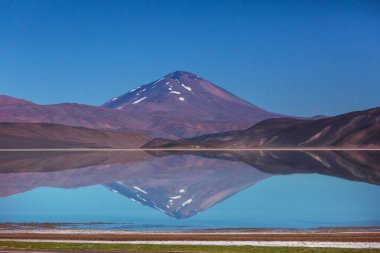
(177, 184)
(184, 185)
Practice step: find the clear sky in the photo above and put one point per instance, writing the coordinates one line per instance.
(292, 57)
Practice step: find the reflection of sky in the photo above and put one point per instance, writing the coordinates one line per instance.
(279, 201)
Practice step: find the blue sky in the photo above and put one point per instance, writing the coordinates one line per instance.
(292, 57)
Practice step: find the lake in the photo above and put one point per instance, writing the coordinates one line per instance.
(167, 190)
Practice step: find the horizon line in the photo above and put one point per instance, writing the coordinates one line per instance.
(192, 149)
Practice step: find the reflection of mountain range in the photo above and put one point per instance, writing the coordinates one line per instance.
(363, 166)
(353, 129)
(178, 184)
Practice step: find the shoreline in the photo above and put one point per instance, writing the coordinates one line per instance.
(192, 149)
(307, 244)
(75, 227)
(350, 238)
(71, 235)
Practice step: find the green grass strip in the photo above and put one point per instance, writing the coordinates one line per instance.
(172, 248)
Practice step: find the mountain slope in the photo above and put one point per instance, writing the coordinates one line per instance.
(22, 111)
(45, 135)
(353, 129)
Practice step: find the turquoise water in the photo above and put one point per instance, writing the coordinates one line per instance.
(224, 194)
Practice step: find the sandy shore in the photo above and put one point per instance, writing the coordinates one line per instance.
(350, 245)
(205, 236)
(341, 237)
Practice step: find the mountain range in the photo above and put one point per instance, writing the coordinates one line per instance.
(177, 105)
(353, 130)
(180, 109)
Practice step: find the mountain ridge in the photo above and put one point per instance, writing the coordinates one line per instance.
(8, 100)
(354, 129)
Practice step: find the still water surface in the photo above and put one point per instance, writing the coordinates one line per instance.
(193, 190)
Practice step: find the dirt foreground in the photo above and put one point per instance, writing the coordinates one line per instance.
(108, 235)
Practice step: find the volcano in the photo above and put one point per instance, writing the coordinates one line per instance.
(182, 104)
(184, 94)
